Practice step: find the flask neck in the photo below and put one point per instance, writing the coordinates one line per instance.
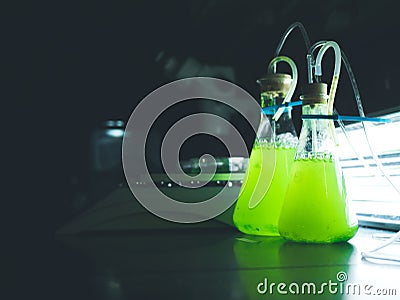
(272, 99)
(267, 99)
(280, 133)
(315, 139)
(315, 109)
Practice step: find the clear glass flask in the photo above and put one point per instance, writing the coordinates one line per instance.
(261, 196)
(316, 208)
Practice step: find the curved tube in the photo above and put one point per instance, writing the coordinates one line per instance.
(371, 254)
(288, 31)
(336, 72)
(272, 68)
(335, 79)
(368, 254)
(311, 61)
(358, 100)
(362, 114)
(316, 45)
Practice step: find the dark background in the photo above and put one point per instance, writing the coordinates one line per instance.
(71, 66)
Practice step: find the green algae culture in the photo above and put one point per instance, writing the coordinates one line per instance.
(261, 195)
(316, 207)
(258, 206)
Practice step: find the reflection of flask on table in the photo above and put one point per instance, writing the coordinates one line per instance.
(316, 208)
(317, 269)
(260, 200)
(257, 257)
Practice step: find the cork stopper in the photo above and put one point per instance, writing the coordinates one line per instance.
(277, 84)
(315, 93)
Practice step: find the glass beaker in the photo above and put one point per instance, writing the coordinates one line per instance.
(261, 196)
(316, 208)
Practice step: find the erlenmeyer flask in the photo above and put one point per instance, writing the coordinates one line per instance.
(261, 196)
(315, 207)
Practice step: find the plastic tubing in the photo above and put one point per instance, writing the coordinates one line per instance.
(362, 114)
(371, 254)
(272, 69)
(349, 72)
(336, 72)
(360, 110)
(288, 31)
(285, 35)
(355, 90)
(368, 254)
(335, 78)
(338, 117)
(311, 61)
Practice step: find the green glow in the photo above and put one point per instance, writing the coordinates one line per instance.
(315, 208)
(258, 206)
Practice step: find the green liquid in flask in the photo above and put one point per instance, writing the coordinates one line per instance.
(259, 202)
(315, 208)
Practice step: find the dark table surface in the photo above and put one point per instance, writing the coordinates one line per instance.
(211, 263)
(117, 250)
